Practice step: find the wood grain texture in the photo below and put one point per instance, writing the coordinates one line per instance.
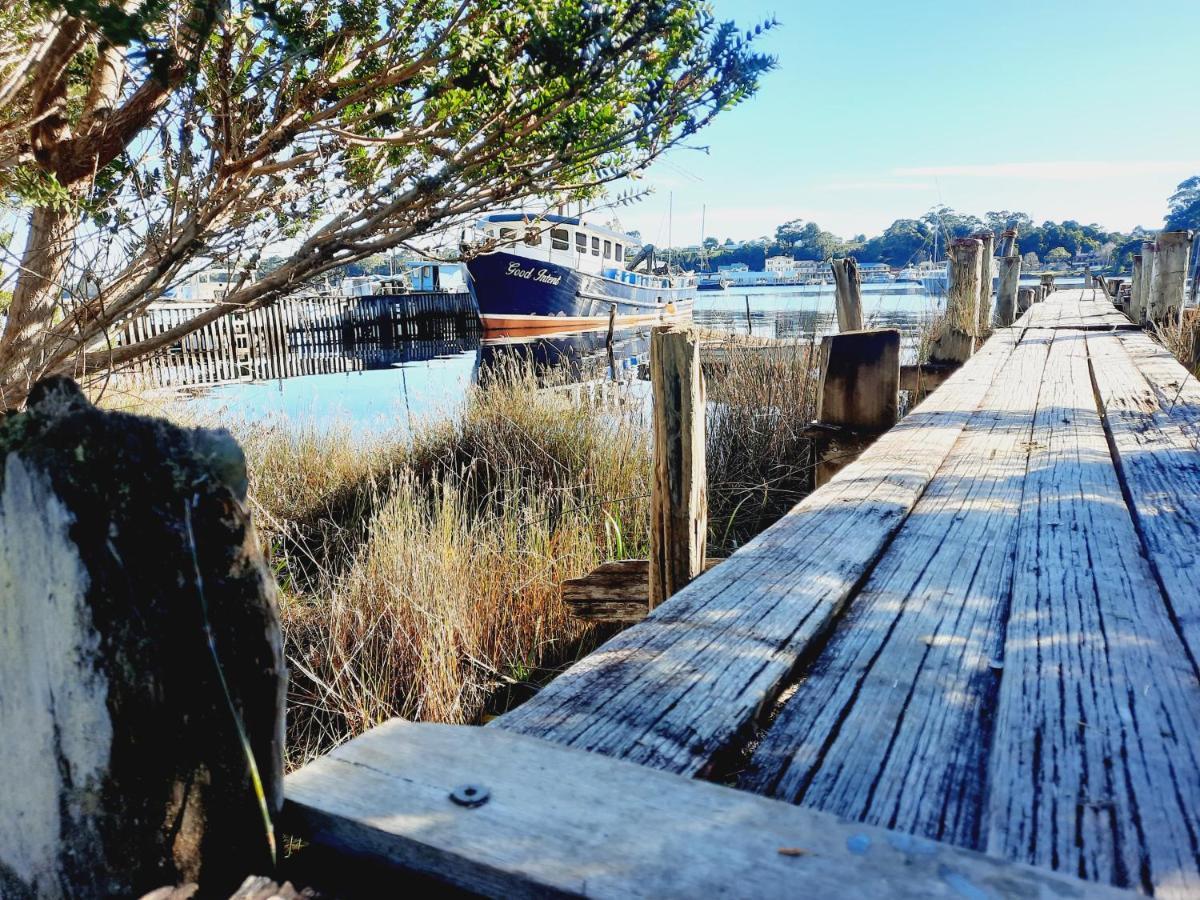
(1095, 767)
(615, 591)
(848, 294)
(677, 689)
(891, 723)
(679, 495)
(558, 822)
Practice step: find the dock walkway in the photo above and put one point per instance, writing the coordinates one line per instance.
(984, 632)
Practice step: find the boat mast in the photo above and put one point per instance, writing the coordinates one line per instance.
(670, 219)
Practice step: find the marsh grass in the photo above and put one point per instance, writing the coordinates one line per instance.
(420, 573)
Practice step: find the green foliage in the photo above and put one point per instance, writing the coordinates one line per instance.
(1184, 206)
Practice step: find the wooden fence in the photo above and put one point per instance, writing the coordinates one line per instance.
(293, 336)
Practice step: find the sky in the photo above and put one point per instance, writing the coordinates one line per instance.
(878, 110)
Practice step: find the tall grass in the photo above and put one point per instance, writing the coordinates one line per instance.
(420, 574)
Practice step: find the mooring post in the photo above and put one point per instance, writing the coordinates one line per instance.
(1149, 259)
(858, 393)
(1006, 296)
(1135, 288)
(1047, 284)
(849, 293)
(141, 659)
(679, 494)
(1194, 292)
(1008, 243)
(956, 342)
(1167, 290)
(1024, 299)
(987, 276)
(749, 321)
(608, 342)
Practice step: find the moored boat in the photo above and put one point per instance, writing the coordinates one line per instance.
(560, 272)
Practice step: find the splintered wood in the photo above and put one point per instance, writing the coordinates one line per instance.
(986, 628)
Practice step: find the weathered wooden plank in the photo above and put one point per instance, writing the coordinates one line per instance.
(676, 689)
(891, 722)
(1156, 440)
(557, 822)
(1095, 768)
(615, 591)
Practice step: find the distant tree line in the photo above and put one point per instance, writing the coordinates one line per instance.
(910, 241)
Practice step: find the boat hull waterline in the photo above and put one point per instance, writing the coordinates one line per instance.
(515, 293)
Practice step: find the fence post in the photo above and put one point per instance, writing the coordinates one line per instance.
(140, 657)
(849, 293)
(1006, 296)
(679, 494)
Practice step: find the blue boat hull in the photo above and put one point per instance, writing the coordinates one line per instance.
(514, 293)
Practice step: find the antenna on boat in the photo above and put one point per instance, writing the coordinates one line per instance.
(670, 219)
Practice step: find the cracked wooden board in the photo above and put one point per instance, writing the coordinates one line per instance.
(561, 822)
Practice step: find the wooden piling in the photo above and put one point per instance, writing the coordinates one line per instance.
(849, 294)
(1006, 296)
(1149, 256)
(1135, 288)
(1170, 274)
(987, 276)
(749, 321)
(956, 342)
(1024, 299)
(1008, 243)
(858, 393)
(679, 495)
(1047, 285)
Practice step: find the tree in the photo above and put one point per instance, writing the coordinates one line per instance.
(711, 243)
(1058, 255)
(1030, 261)
(147, 144)
(1184, 206)
(789, 233)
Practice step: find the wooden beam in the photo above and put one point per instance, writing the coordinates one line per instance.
(848, 288)
(860, 380)
(504, 815)
(679, 494)
(923, 379)
(615, 591)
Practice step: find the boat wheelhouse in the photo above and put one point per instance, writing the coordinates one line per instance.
(560, 272)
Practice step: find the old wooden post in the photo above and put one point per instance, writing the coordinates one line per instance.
(1008, 243)
(679, 494)
(1006, 295)
(1047, 284)
(608, 342)
(987, 276)
(956, 342)
(749, 321)
(1167, 290)
(142, 677)
(1135, 289)
(1149, 258)
(1194, 292)
(858, 393)
(849, 294)
(1024, 299)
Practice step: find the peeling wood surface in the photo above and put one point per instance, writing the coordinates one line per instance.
(560, 822)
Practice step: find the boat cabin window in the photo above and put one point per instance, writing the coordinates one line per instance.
(508, 234)
(595, 246)
(580, 242)
(619, 253)
(608, 249)
(559, 239)
(533, 237)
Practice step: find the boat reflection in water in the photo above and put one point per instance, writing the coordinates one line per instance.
(572, 356)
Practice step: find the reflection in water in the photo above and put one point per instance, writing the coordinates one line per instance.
(379, 389)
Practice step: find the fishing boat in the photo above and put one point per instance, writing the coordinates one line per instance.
(709, 282)
(555, 272)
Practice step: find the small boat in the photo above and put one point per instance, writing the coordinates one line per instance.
(713, 283)
(556, 272)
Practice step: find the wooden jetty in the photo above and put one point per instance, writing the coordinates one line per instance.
(966, 666)
(303, 335)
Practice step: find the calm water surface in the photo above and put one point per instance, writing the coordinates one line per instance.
(428, 379)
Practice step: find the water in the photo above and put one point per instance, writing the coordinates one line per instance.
(427, 379)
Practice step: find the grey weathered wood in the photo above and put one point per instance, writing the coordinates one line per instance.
(859, 386)
(679, 496)
(559, 822)
(614, 591)
(1149, 259)
(987, 275)
(1006, 295)
(678, 688)
(848, 289)
(900, 698)
(1135, 289)
(965, 274)
(1047, 284)
(1170, 277)
(1008, 243)
(1095, 768)
(1024, 299)
(125, 549)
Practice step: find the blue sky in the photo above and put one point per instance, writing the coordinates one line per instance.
(879, 110)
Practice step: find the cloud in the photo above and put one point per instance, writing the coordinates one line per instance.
(1078, 170)
(877, 186)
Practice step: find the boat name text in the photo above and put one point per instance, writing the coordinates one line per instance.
(541, 275)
